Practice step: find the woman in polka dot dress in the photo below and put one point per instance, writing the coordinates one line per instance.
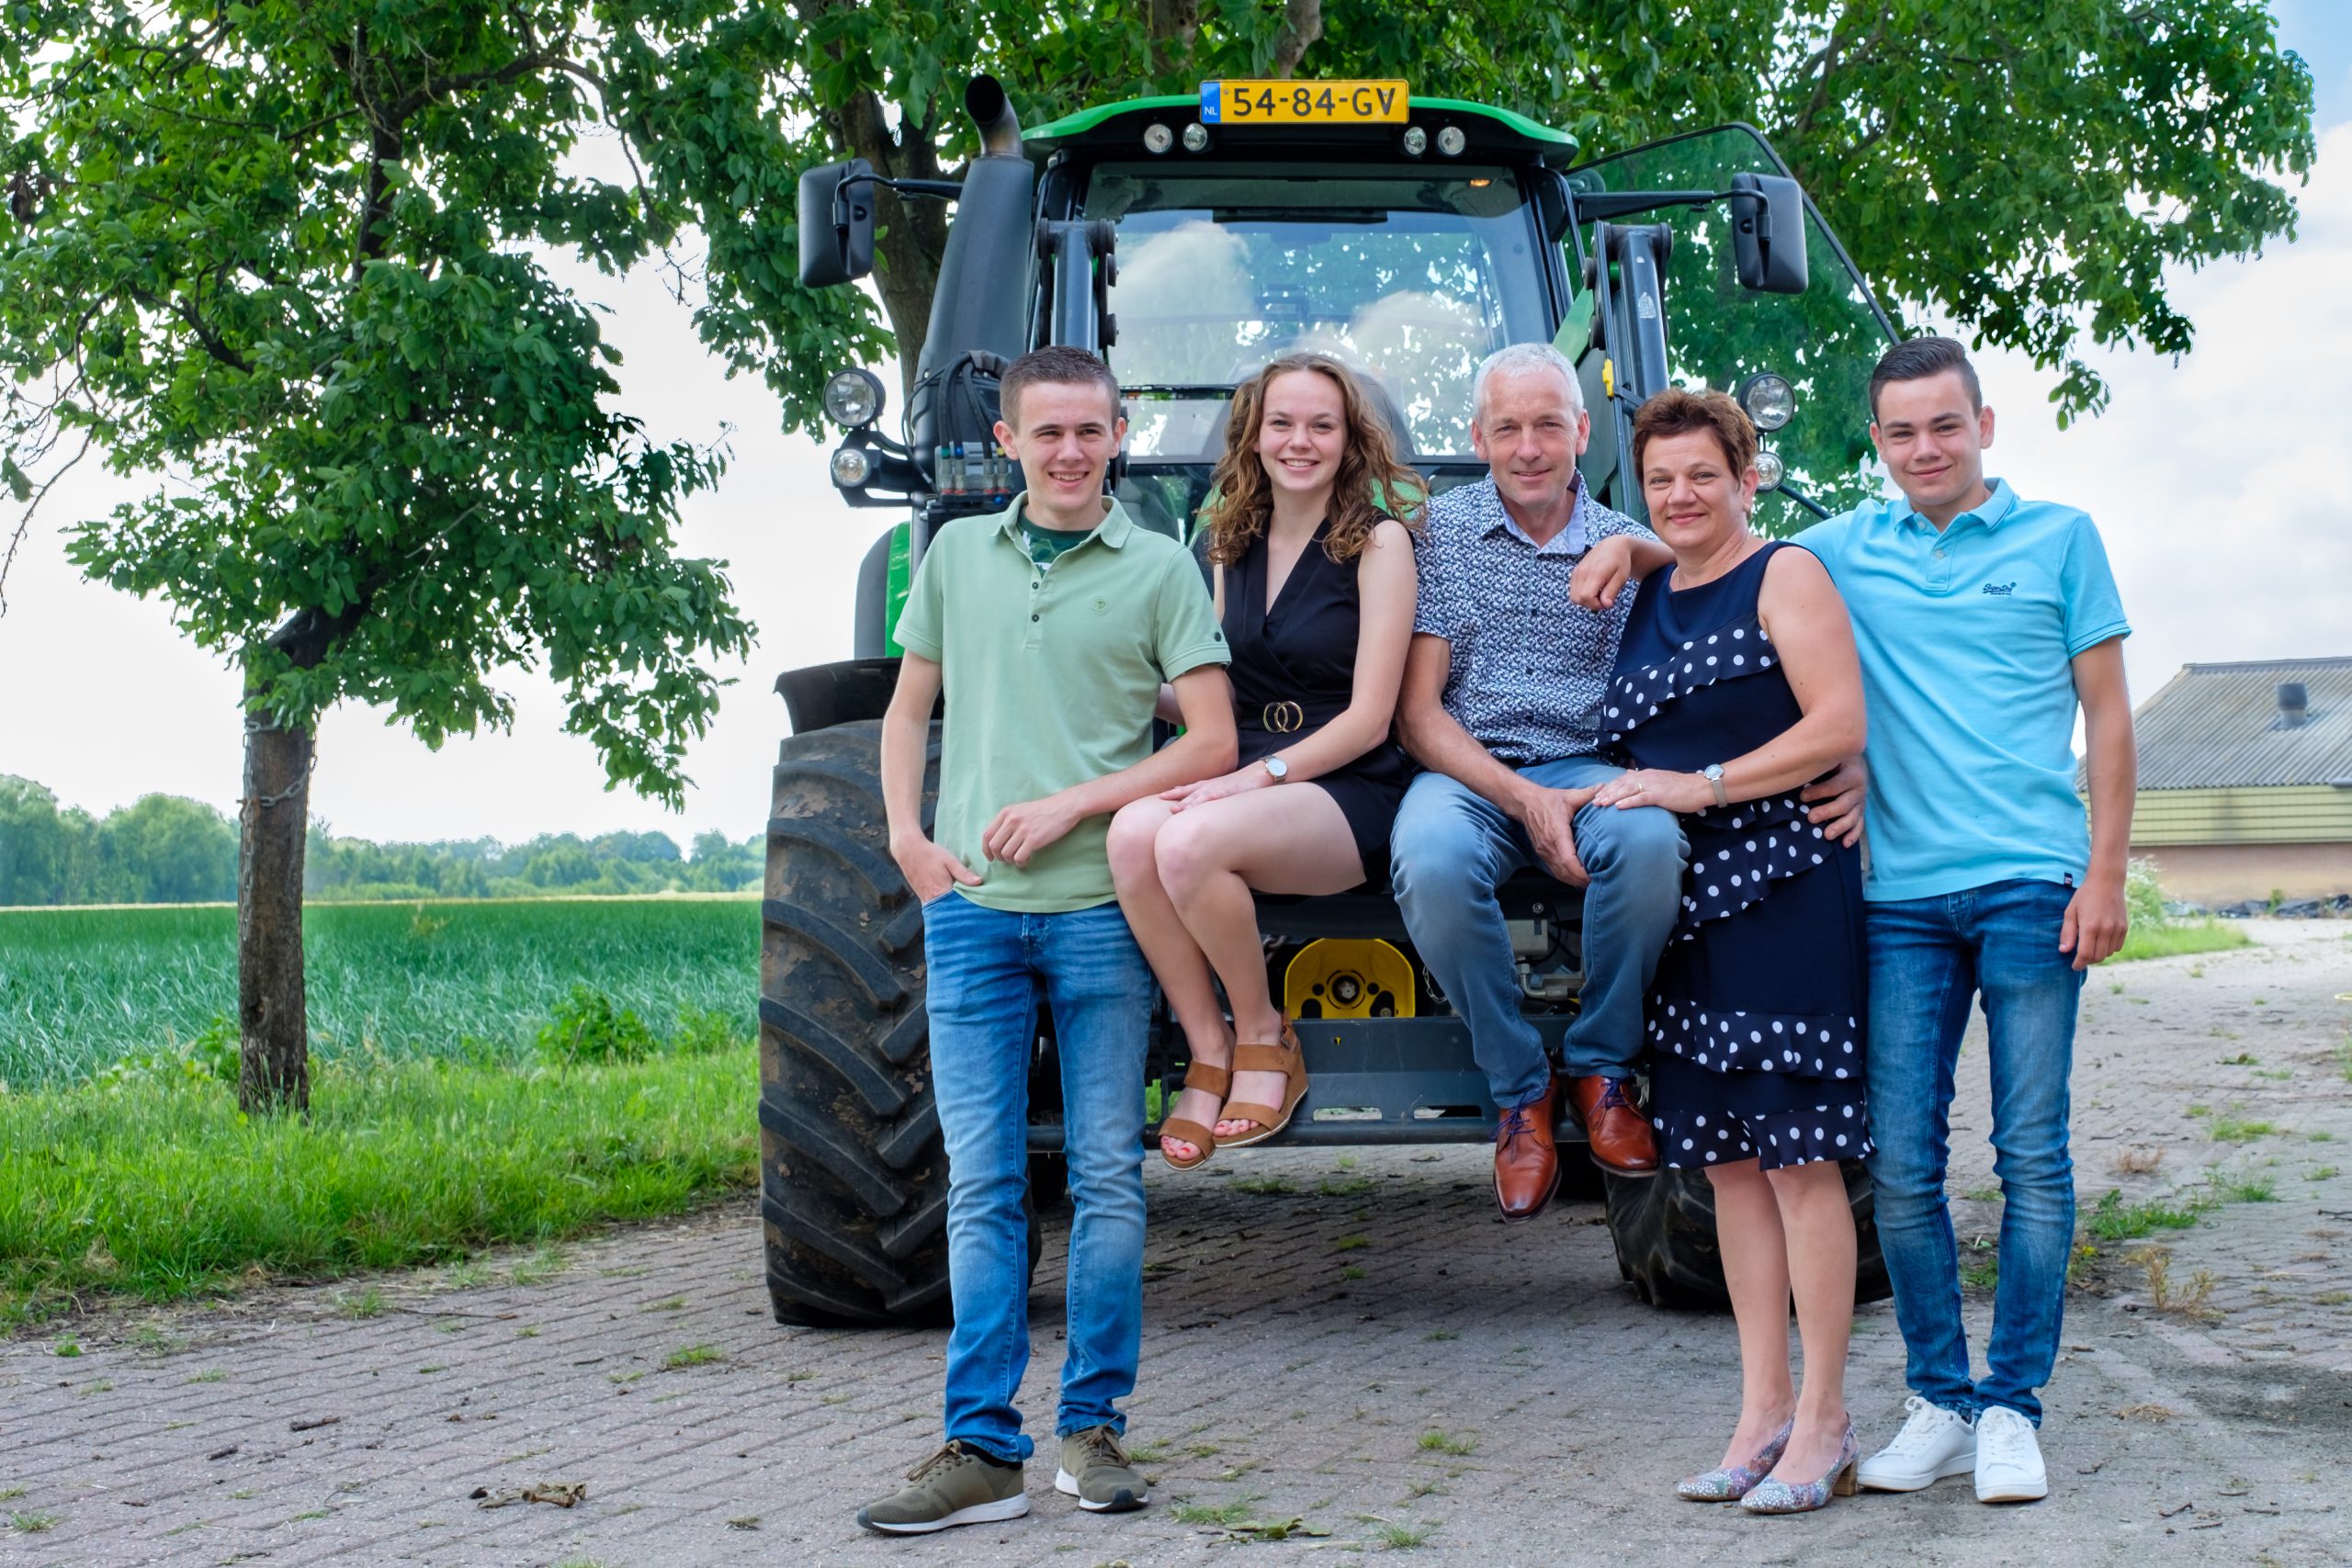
(1736, 684)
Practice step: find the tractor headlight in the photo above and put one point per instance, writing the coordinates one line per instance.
(852, 466)
(1451, 141)
(1769, 470)
(1769, 399)
(1158, 139)
(853, 398)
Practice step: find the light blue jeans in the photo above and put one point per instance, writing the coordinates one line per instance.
(1929, 958)
(989, 971)
(1449, 852)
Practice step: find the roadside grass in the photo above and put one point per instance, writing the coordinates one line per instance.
(472, 980)
(2170, 939)
(2249, 1190)
(158, 1189)
(2112, 1218)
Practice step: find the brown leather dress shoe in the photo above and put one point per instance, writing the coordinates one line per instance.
(1621, 1141)
(1527, 1167)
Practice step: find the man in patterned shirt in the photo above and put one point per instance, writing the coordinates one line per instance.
(1501, 686)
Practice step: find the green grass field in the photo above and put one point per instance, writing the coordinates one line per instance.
(157, 1188)
(469, 981)
(2170, 939)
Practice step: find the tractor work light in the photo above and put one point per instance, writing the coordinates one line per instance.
(1769, 399)
(1196, 138)
(1417, 141)
(1451, 141)
(853, 398)
(1769, 470)
(1158, 139)
(852, 466)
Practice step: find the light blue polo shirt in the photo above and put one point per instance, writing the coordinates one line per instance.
(1967, 638)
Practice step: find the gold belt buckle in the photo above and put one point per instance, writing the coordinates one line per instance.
(1284, 717)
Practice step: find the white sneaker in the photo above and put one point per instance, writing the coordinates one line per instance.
(1934, 1443)
(2008, 1459)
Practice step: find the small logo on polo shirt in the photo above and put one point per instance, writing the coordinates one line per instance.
(2002, 589)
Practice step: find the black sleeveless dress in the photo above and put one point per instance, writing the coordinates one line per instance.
(1756, 1020)
(1294, 671)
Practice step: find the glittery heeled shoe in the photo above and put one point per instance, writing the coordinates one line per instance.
(1735, 1482)
(1772, 1496)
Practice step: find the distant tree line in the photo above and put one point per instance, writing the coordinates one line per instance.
(166, 849)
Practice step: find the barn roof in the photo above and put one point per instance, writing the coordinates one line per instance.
(2224, 725)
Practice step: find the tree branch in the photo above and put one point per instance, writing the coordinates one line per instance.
(1302, 25)
(25, 519)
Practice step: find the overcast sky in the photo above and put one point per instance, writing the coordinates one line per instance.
(2223, 485)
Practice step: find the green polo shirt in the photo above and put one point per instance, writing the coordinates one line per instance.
(1050, 674)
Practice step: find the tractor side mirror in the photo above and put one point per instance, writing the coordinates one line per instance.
(836, 223)
(1766, 232)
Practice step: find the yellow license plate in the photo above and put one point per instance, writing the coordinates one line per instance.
(1303, 103)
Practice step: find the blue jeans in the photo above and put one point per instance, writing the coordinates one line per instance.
(1452, 848)
(989, 970)
(1928, 958)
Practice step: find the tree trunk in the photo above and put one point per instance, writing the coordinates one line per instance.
(273, 828)
(274, 1057)
(913, 230)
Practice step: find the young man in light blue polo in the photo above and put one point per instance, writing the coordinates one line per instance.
(1049, 628)
(1983, 620)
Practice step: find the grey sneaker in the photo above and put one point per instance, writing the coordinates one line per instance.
(1096, 1471)
(954, 1486)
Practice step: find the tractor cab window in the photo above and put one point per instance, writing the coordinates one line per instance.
(1824, 341)
(1414, 276)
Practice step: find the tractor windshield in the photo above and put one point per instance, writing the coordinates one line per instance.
(1414, 274)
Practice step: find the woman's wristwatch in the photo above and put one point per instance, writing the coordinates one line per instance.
(1713, 774)
(1281, 770)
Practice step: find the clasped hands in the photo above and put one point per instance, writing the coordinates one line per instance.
(1835, 806)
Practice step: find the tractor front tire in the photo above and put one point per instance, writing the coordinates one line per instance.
(852, 1169)
(1664, 1228)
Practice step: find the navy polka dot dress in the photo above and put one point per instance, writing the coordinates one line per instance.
(1756, 1020)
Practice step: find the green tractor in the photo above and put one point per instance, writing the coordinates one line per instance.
(1188, 239)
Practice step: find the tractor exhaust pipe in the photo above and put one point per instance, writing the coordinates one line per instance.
(987, 276)
(991, 111)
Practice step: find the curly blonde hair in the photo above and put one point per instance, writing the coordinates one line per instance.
(1372, 485)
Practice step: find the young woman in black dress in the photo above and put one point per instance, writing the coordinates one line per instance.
(1738, 683)
(1314, 588)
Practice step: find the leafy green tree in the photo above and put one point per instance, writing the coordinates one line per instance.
(721, 865)
(167, 849)
(46, 854)
(2029, 171)
(289, 253)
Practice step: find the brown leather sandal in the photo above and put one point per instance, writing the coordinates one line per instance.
(1216, 1080)
(1285, 1058)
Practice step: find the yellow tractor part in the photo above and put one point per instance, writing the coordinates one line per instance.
(1348, 978)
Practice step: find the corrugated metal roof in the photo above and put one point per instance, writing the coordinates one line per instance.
(2220, 726)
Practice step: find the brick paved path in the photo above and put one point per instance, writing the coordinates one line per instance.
(1351, 1343)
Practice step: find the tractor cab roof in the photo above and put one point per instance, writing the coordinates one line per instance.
(1491, 133)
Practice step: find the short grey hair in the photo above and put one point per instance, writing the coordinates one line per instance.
(1519, 359)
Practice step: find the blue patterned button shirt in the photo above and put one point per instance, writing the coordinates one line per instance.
(1529, 668)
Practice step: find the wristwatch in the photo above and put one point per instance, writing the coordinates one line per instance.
(1713, 774)
(1278, 768)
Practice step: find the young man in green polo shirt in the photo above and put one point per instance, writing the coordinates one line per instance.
(1051, 627)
